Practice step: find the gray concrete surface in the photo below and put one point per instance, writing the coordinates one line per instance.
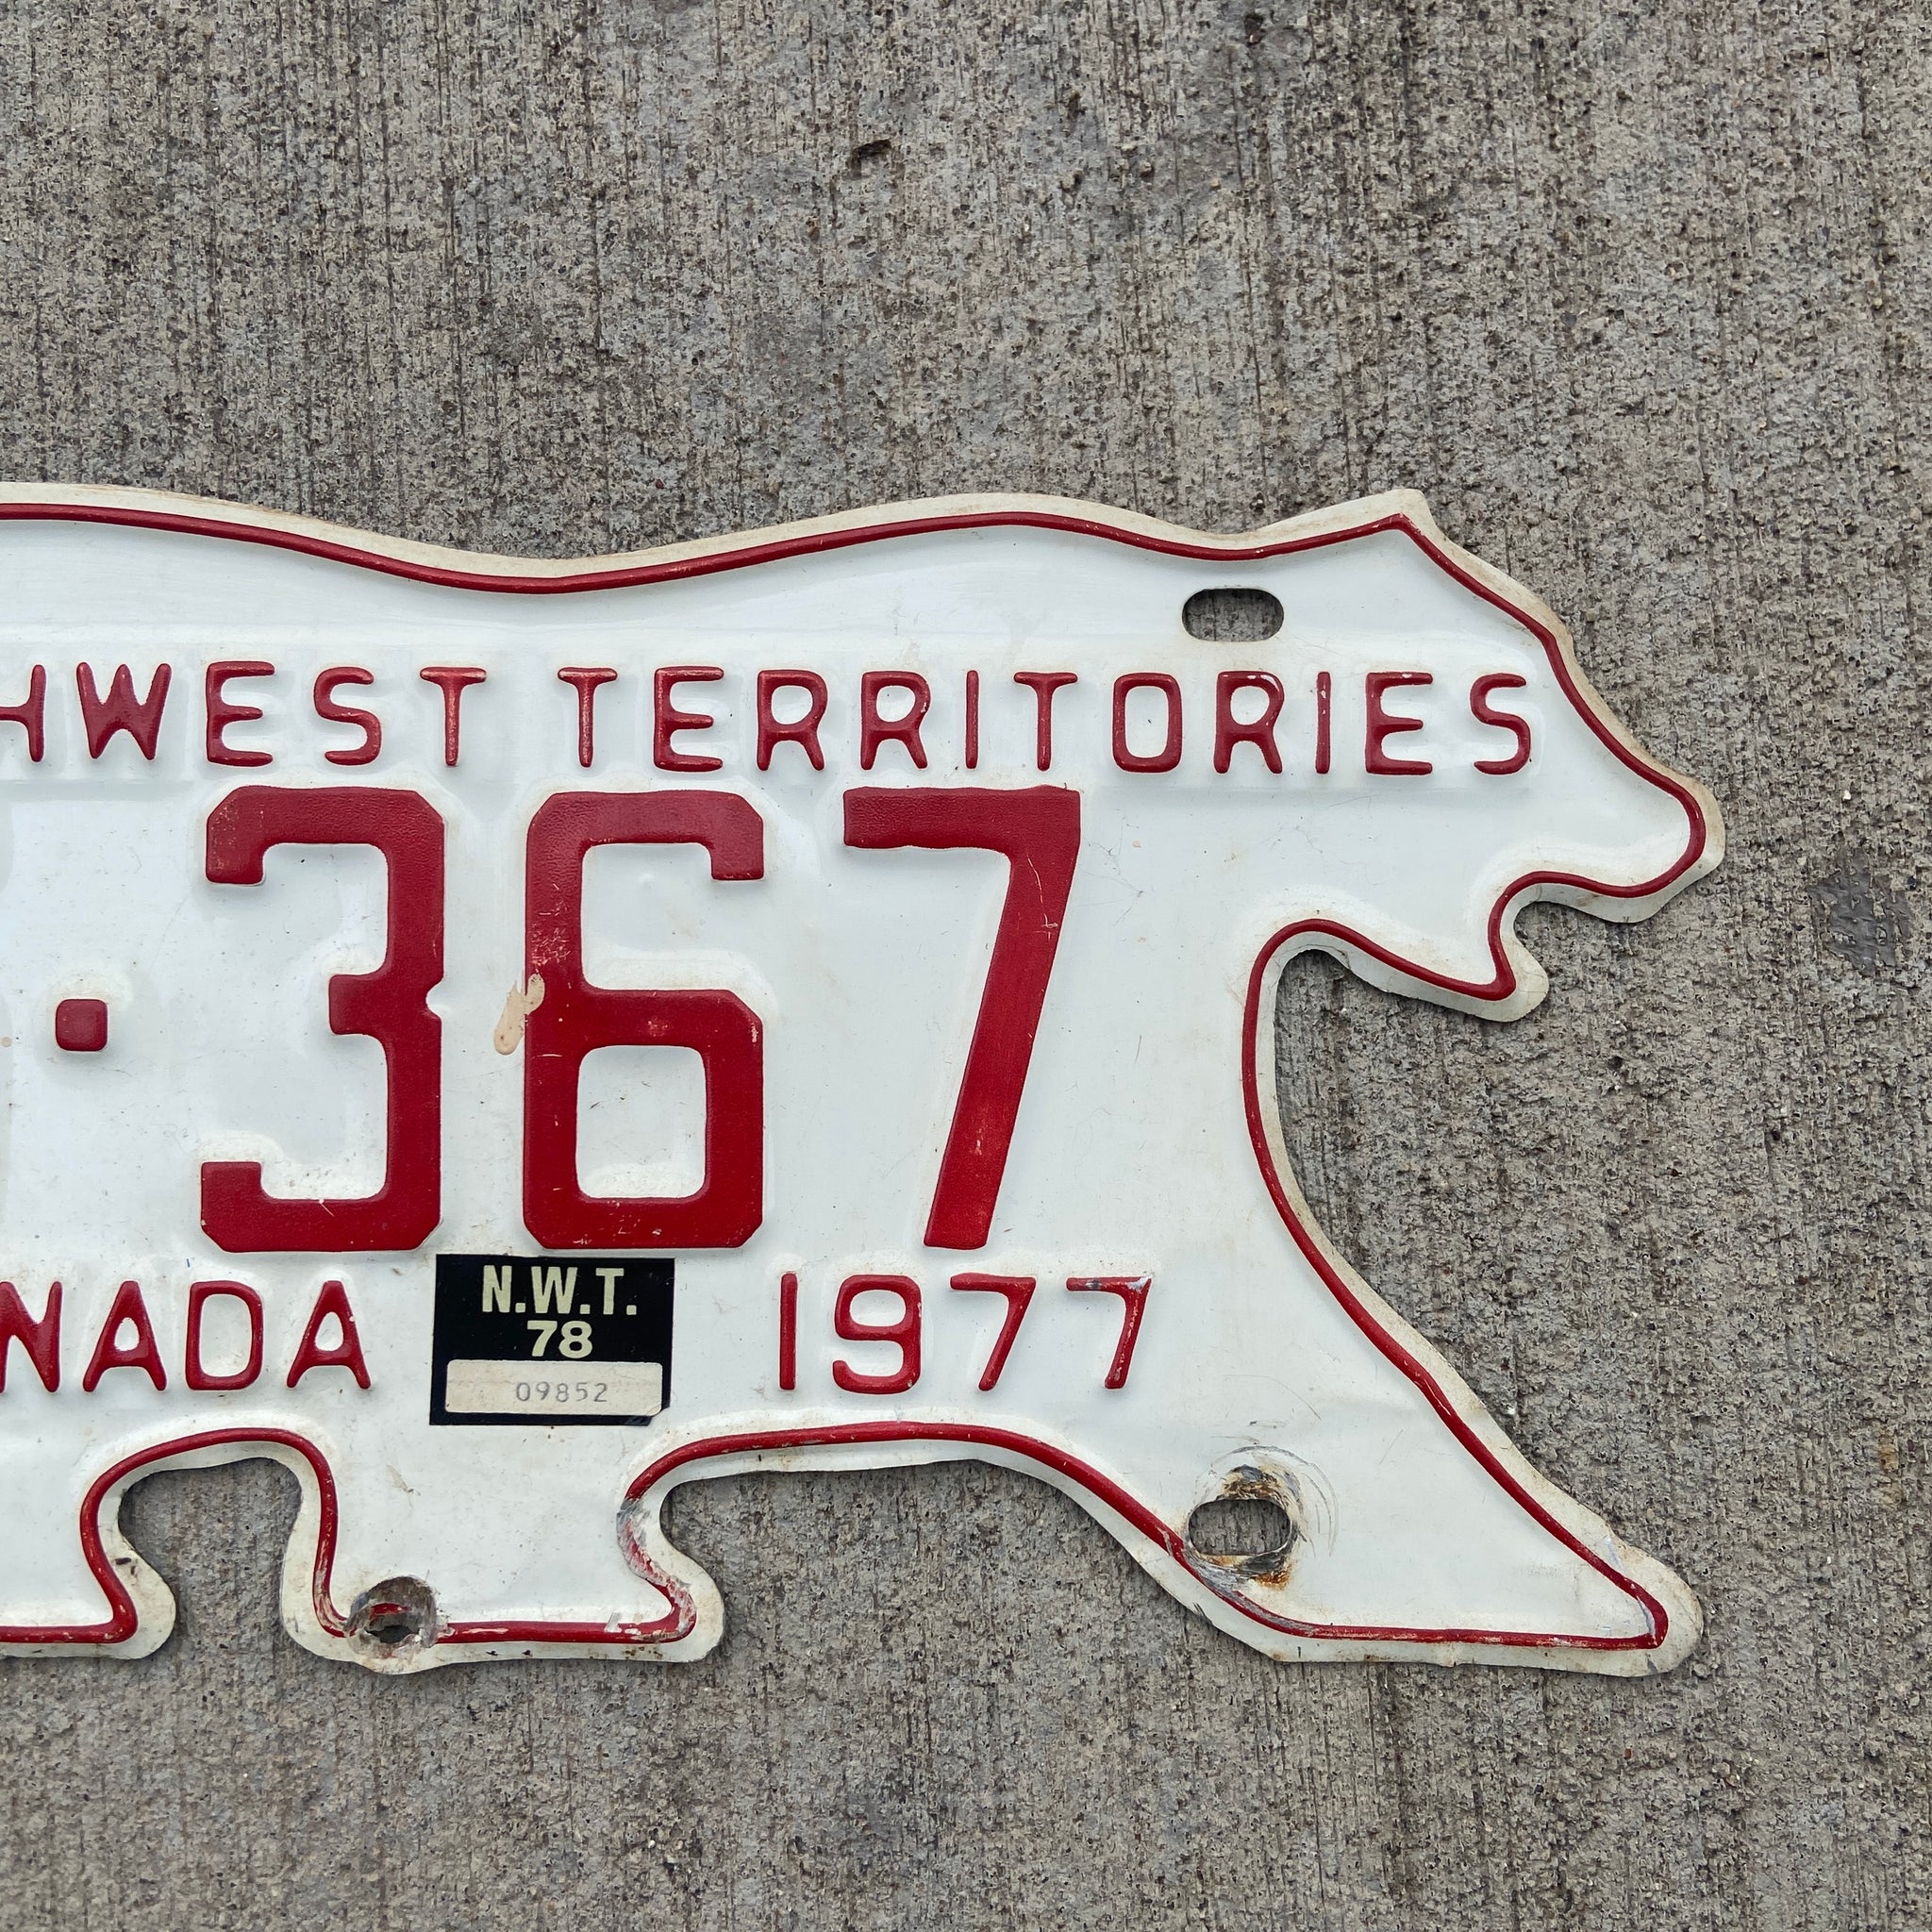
(1639, 296)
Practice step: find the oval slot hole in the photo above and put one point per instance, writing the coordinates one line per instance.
(1232, 616)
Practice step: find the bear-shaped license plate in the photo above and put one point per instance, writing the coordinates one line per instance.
(507, 1038)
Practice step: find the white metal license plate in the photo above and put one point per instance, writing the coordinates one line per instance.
(505, 1038)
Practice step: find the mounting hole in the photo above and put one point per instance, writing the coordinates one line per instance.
(1238, 1528)
(395, 1615)
(1232, 616)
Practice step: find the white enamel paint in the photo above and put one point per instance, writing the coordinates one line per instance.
(1132, 1152)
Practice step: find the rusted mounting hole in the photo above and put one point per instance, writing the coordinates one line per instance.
(1238, 1528)
(395, 1615)
(1251, 1528)
(1232, 616)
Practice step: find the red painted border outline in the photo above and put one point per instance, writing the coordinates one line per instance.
(732, 554)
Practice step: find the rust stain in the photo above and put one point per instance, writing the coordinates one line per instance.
(1269, 1568)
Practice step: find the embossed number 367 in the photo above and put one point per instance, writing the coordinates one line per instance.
(1037, 829)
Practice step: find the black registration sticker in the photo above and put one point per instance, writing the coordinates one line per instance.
(550, 1340)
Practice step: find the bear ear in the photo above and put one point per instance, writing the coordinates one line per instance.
(1705, 818)
(1704, 847)
(1387, 509)
(1600, 824)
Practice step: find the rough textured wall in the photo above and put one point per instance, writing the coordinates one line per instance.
(1638, 297)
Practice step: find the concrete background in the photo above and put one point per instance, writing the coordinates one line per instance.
(1638, 297)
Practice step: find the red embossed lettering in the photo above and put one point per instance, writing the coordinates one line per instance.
(142, 1352)
(40, 1340)
(221, 713)
(875, 730)
(587, 677)
(787, 1331)
(667, 720)
(31, 714)
(802, 730)
(345, 1353)
(453, 680)
(121, 710)
(1381, 727)
(1044, 684)
(1132, 1290)
(366, 721)
(904, 1333)
(80, 1025)
(1486, 713)
(576, 1017)
(1230, 731)
(390, 1005)
(194, 1372)
(1038, 831)
(1018, 1290)
(1169, 756)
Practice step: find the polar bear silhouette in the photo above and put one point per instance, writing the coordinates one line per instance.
(960, 875)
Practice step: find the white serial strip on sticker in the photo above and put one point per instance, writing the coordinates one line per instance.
(526, 1388)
